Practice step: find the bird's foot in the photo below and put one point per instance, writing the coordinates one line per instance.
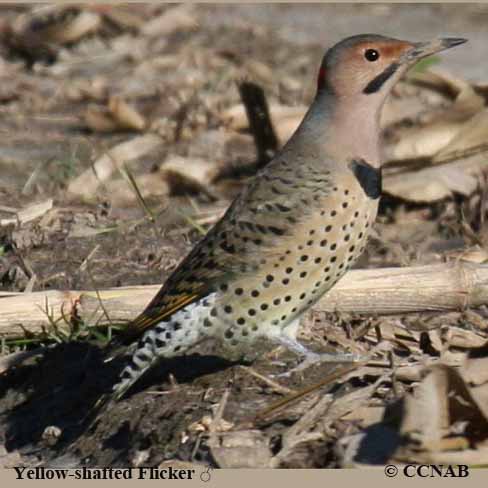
(313, 358)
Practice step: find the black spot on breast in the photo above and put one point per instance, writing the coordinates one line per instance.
(284, 180)
(282, 208)
(276, 230)
(247, 225)
(230, 248)
(368, 177)
(210, 264)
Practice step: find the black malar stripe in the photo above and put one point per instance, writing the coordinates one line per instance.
(376, 83)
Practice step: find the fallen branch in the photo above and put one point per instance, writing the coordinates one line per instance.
(254, 100)
(443, 287)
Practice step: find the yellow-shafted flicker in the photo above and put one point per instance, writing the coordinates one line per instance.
(296, 229)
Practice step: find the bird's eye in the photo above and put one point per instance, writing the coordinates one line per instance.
(371, 54)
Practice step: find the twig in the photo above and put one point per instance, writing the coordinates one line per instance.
(17, 358)
(84, 264)
(305, 391)
(254, 100)
(129, 177)
(213, 427)
(275, 386)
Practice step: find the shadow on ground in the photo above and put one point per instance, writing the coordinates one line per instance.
(63, 386)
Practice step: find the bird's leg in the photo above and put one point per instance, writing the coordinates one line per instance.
(311, 357)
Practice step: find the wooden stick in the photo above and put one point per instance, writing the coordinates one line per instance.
(441, 287)
(254, 99)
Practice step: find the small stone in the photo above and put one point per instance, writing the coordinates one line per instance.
(138, 458)
(51, 434)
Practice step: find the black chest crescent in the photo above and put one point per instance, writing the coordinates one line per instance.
(368, 177)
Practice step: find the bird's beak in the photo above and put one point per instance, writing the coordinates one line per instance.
(422, 49)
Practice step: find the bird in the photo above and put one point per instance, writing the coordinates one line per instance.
(294, 230)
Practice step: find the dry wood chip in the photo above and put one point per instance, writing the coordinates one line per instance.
(438, 182)
(242, 449)
(179, 18)
(350, 402)
(117, 115)
(441, 402)
(464, 339)
(29, 213)
(102, 169)
(366, 415)
(475, 370)
(56, 24)
(470, 457)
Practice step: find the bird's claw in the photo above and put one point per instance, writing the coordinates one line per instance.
(313, 358)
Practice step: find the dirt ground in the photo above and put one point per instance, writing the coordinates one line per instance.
(69, 97)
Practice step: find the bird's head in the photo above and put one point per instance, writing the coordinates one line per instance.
(370, 64)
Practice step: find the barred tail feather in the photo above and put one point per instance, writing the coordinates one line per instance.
(130, 374)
